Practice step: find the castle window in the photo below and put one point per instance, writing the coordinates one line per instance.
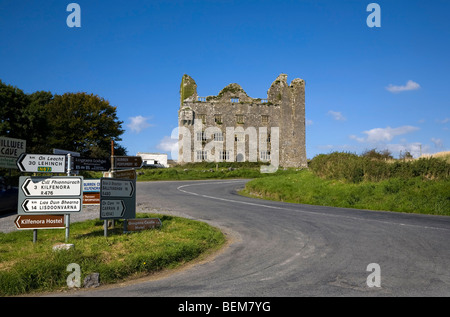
(265, 119)
(202, 155)
(201, 99)
(218, 118)
(265, 155)
(236, 100)
(202, 117)
(240, 118)
(201, 136)
(218, 136)
(225, 155)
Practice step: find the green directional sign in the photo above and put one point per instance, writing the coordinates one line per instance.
(117, 198)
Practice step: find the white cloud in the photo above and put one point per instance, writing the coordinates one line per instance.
(383, 134)
(438, 143)
(336, 115)
(138, 124)
(446, 120)
(410, 85)
(168, 144)
(415, 149)
(308, 122)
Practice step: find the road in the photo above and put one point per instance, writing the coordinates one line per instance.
(281, 249)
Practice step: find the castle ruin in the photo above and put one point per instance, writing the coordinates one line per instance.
(232, 126)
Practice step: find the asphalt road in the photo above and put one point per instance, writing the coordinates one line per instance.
(281, 249)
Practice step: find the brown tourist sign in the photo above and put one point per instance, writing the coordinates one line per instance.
(143, 224)
(31, 222)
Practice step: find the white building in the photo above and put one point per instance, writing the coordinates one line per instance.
(149, 159)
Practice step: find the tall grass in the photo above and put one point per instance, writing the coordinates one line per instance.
(353, 168)
(364, 182)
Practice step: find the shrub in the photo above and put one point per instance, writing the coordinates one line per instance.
(373, 166)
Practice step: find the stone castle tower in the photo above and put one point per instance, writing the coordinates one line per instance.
(232, 126)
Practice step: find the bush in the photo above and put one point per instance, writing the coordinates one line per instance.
(371, 166)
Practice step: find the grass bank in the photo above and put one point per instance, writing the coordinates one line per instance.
(413, 195)
(26, 267)
(372, 180)
(203, 170)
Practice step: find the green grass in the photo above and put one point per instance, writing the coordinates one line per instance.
(413, 195)
(204, 170)
(26, 267)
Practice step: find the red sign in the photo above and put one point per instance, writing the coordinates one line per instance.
(29, 222)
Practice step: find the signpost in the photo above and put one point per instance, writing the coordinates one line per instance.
(50, 187)
(10, 150)
(40, 222)
(143, 224)
(91, 192)
(117, 198)
(42, 163)
(90, 164)
(112, 209)
(127, 162)
(50, 205)
(50, 196)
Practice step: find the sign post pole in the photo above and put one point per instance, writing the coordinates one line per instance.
(67, 216)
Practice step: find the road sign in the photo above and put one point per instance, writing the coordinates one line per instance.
(31, 222)
(127, 174)
(143, 224)
(91, 198)
(91, 192)
(40, 195)
(42, 163)
(91, 186)
(112, 209)
(50, 187)
(127, 162)
(91, 164)
(10, 150)
(113, 187)
(117, 198)
(48, 206)
(65, 152)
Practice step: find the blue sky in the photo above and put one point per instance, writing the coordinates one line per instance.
(383, 87)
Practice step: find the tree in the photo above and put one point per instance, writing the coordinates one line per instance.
(37, 124)
(84, 123)
(13, 101)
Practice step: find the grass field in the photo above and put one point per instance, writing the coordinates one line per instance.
(26, 267)
(404, 195)
(364, 182)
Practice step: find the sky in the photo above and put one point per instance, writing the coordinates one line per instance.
(382, 87)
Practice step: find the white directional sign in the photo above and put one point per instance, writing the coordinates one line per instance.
(50, 187)
(116, 188)
(47, 205)
(42, 163)
(40, 195)
(111, 209)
